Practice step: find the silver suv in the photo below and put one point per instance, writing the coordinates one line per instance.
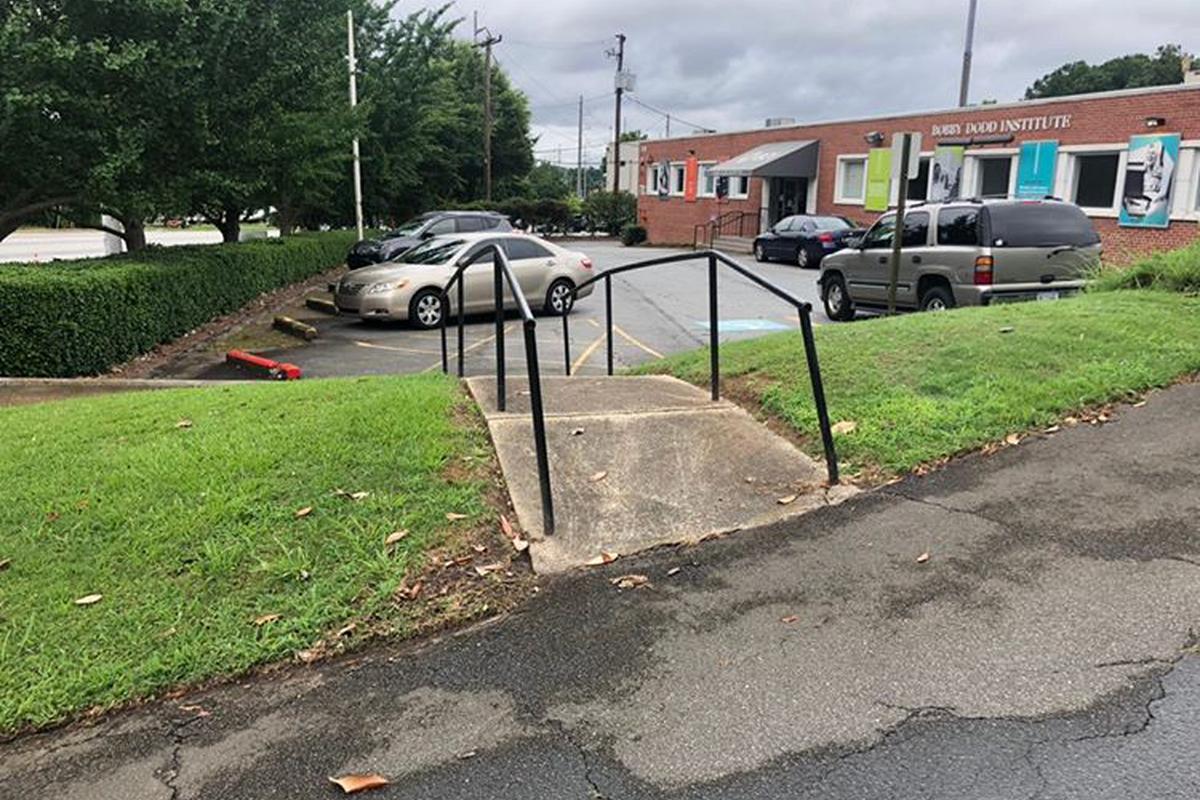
(965, 253)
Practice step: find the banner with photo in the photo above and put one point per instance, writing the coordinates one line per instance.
(1035, 168)
(946, 173)
(1149, 179)
(663, 180)
(879, 179)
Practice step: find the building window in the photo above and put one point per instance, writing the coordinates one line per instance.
(1096, 180)
(994, 176)
(678, 178)
(739, 187)
(918, 187)
(708, 181)
(851, 180)
(651, 186)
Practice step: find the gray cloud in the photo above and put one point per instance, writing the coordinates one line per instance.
(729, 64)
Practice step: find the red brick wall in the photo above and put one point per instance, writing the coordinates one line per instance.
(1102, 120)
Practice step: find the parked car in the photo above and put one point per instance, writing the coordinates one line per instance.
(804, 239)
(965, 253)
(394, 243)
(411, 288)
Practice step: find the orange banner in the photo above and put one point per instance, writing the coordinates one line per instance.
(691, 179)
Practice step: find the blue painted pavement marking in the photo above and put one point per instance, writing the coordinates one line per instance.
(745, 325)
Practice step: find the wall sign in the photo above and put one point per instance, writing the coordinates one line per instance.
(1035, 168)
(1149, 179)
(946, 172)
(879, 179)
(691, 179)
(1048, 122)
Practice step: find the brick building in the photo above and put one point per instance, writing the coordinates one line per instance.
(823, 167)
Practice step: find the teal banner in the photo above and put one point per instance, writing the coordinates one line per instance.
(1149, 178)
(1035, 168)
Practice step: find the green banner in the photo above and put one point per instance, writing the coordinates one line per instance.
(879, 179)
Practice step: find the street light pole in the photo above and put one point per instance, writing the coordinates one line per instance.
(616, 158)
(965, 84)
(358, 203)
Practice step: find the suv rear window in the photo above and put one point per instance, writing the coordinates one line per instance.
(958, 227)
(1040, 225)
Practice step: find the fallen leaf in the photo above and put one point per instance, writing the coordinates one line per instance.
(454, 517)
(921, 559)
(577, 432)
(415, 591)
(479, 548)
(394, 537)
(359, 495)
(602, 559)
(309, 656)
(304, 512)
(1052, 429)
(487, 569)
(599, 476)
(630, 581)
(466, 755)
(1012, 439)
(342, 493)
(266, 619)
(749, 480)
(673, 571)
(843, 427)
(359, 783)
(520, 545)
(1007, 330)
(346, 630)
(788, 620)
(5, 563)
(1139, 404)
(507, 527)
(89, 600)
(1071, 421)
(53, 516)
(183, 423)
(788, 500)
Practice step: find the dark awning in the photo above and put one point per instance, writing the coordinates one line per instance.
(775, 160)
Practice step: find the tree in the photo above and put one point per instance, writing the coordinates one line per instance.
(1127, 72)
(550, 182)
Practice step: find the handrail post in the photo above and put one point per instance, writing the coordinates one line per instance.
(498, 288)
(567, 337)
(539, 427)
(461, 329)
(608, 321)
(713, 333)
(445, 320)
(818, 389)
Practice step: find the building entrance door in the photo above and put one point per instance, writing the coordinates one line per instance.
(788, 196)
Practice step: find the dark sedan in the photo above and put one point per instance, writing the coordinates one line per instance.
(395, 243)
(804, 239)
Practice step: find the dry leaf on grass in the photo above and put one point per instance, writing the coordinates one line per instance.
(266, 619)
(455, 517)
(507, 527)
(1012, 439)
(630, 581)
(788, 620)
(359, 783)
(346, 630)
(1052, 429)
(304, 512)
(89, 600)
(520, 545)
(1139, 404)
(788, 500)
(602, 559)
(310, 655)
(183, 423)
(5, 563)
(394, 537)
(198, 710)
(487, 569)
(599, 476)
(844, 427)
(479, 548)
(921, 559)
(342, 493)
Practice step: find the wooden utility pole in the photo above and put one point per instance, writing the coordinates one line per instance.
(579, 154)
(898, 232)
(486, 43)
(616, 158)
(965, 84)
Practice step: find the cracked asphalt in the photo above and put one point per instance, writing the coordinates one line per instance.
(1045, 650)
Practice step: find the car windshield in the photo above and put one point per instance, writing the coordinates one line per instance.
(409, 228)
(434, 251)
(831, 223)
(1040, 225)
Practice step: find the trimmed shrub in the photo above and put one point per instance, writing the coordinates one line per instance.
(84, 317)
(1171, 270)
(633, 234)
(611, 212)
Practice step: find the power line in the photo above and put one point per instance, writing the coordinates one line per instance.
(675, 117)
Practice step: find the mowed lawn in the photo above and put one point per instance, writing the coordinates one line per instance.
(921, 387)
(180, 509)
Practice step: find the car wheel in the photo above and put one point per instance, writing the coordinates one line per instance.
(425, 310)
(937, 298)
(837, 300)
(760, 252)
(803, 259)
(560, 297)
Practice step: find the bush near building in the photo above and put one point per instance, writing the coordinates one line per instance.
(1171, 270)
(83, 317)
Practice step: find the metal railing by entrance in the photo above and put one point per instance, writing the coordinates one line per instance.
(502, 274)
(714, 259)
(731, 223)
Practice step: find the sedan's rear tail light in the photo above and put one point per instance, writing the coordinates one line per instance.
(983, 270)
(586, 263)
(826, 237)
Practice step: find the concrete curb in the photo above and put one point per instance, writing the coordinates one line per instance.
(294, 327)
(321, 304)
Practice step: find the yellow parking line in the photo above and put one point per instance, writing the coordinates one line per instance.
(453, 349)
(621, 332)
(586, 354)
(395, 349)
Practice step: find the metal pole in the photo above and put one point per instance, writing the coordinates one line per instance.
(616, 158)
(608, 325)
(898, 233)
(486, 44)
(461, 328)
(539, 427)
(814, 374)
(445, 316)
(498, 288)
(965, 83)
(714, 356)
(579, 154)
(567, 344)
(358, 202)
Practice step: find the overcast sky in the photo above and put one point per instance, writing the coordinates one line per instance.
(730, 64)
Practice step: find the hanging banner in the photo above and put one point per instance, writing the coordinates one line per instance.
(946, 176)
(1149, 179)
(1035, 168)
(663, 180)
(879, 179)
(691, 179)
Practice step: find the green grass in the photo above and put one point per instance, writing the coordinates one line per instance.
(921, 387)
(1170, 270)
(190, 533)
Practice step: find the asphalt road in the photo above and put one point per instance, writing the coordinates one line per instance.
(1044, 650)
(656, 311)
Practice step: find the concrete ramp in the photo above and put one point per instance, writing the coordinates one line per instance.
(637, 462)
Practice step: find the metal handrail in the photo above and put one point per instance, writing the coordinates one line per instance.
(502, 273)
(714, 257)
(716, 227)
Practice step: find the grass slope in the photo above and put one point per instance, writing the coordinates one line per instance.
(191, 533)
(924, 386)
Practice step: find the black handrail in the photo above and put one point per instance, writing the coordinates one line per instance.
(502, 273)
(716, 227)
(803, 309)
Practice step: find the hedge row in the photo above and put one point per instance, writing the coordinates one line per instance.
(83, 317)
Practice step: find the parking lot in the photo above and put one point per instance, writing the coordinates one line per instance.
(656, 312)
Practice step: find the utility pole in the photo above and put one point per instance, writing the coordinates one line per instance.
(358, 203)
(486, 44)
(898, 231)
(579, 154)
(965, 84)
(668, 126)
(616, 158)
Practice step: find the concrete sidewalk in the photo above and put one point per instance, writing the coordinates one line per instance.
(1038, 652)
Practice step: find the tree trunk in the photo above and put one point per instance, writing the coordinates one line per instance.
(287, 215)
(230, 225)
(135, 234)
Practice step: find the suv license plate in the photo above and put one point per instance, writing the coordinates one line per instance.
(1047, 295)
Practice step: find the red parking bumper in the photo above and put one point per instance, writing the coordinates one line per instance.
(279, 370)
